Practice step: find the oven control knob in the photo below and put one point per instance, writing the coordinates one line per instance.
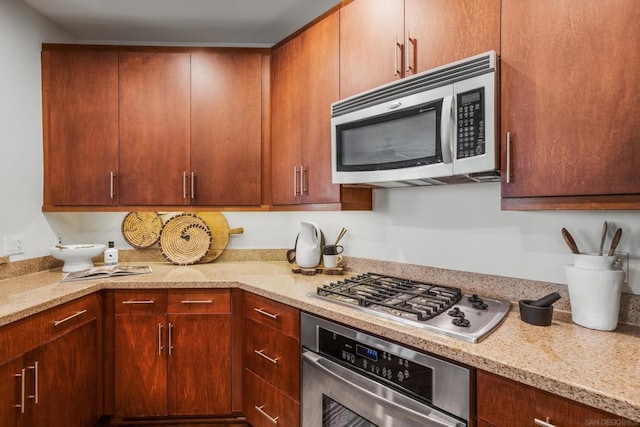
(474, 298)
(461, 321)
(480, 305)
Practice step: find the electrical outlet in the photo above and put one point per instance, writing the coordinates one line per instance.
(14, 245)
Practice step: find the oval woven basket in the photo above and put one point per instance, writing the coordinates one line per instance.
(141, 229)
(185, 239)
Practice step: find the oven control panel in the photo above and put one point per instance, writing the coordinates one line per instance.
(470, 124)
(381, 365)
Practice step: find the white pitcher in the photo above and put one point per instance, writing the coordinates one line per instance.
(308, 246)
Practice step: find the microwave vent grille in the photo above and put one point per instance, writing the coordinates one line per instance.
(461, 70)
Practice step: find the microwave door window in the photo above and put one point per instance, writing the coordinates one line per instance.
(398, 140)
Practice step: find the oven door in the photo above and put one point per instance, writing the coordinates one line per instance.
(334, 396)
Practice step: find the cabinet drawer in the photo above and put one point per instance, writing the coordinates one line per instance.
(274, 314)
(26, 334)
(263, 404)
(141, 302)
(199, 301)
(273, 356)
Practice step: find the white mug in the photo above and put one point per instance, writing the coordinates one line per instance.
(332, 261)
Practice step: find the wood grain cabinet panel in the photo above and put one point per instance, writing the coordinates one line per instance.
(569, 79)
(80, 113)
(265, 403)
(281, 317)
(154, 100)
(502, 402)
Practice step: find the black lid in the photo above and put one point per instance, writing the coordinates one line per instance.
(110, 244)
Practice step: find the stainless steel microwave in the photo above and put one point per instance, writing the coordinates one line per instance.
(436, 127)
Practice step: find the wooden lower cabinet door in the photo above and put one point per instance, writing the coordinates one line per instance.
(140, 365)
(265, 406)
(11, 392)
(62, 380)
(199, 375)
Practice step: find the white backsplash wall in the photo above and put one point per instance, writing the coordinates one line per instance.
(458, 227)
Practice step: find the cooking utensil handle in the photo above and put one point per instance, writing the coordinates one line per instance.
(22, 376)
(34, 396)
(543, 423)
(445, 129)
(508, 152)
(264, 414)
(614, 243)
(396, 46)
(266, 313)
(568, 238)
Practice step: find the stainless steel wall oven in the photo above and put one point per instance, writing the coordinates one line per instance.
(350, 378)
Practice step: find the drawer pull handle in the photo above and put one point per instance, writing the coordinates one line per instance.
(204, 301)
(149, 301)
(267, 416)
(541, 423)
(160, 347)
(266, 313)
(58, 322)
(22, 375)
(270, 359)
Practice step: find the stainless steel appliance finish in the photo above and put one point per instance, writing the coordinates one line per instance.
(437, 127)
(350, 378)
(441, 309)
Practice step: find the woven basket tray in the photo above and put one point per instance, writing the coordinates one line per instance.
(141, 229)
(185, 239)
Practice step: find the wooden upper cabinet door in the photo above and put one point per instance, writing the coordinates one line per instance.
(371, 38)
(438, 32)
(286, 134)
(569, 97)
(226, 134)
(80, 127)
(320, 69)
(154, 128)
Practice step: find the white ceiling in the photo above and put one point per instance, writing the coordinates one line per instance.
(207, 22)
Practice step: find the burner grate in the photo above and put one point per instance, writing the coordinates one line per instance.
(400, 296)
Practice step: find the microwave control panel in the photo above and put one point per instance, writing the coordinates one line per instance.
(470, 124)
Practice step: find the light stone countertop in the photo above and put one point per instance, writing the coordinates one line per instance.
(600, 369)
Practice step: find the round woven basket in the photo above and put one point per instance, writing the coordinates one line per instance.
(185, 239)
(141, 229)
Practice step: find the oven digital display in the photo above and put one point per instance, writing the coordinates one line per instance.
(367, 352)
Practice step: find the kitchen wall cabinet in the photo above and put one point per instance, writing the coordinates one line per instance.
(172, 353)
(226, 133)
(569, 79)
(154, 101)
(382, 41)
(272, 362)
(51, 367)
(305, 81)
(503, 403)
(80, 138)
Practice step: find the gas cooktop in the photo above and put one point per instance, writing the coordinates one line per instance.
(437, 308)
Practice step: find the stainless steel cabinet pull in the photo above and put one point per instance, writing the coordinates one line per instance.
(184, 184)
(22, 376)
(396, 68)
(112, 187)
(193, 185)
(295, 181)
(79, 313)
(303, 187)
(160, 339)
(411, 43)
(508, 171)
(170, 331)
(34, 396)
(202, 301)
(266, 313)
(148, 301)
(543, 423)
(270, 359)
(264, 414)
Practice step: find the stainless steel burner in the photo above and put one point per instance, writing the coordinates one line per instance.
(438, 308)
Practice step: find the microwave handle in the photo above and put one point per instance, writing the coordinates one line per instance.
(446, 124)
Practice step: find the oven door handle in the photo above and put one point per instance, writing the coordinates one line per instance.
(347, 377)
